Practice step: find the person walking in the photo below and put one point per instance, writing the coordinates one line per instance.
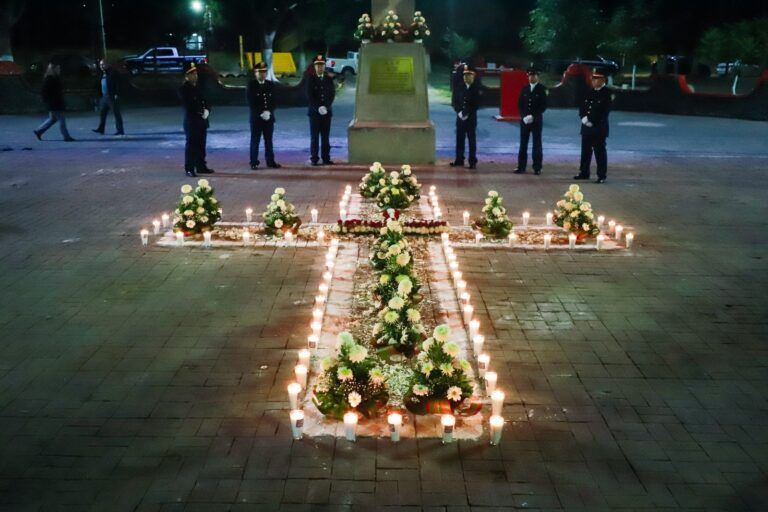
(321, 93)
(594, 129)
(261, 102)
(196, 113)
(532, 103)
(466, 101)
(109, 99)
(52, 92)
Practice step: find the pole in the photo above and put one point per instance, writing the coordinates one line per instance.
(242, 62)
(634, 74)
(102, 33)
(735, 83)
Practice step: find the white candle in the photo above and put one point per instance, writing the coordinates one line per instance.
(166, 218)
(144, 234)
(395, 421)
(453, 265)
(350, 426)
(342, 204)
(497, 402)
(180, 238)
(321, 237)
(456, 274)
(343, 214)
(497, 425)
(469, 310)
(600, 221)
(288, 236)
(301, 375)
(294, 388)
(461, 285)
(549, 218)
(629, 239)
(323, 288)
(314, 213)
(334, 243)
(297, 423)
(466, 218)
(600, 239)
(432, 189)
(464, 297)
(312, 341)
(611, 225)
(249, 214)
(206, 238)
(451, 256)
(512, 239)
(490, 381)
(327, 276)
(619, 230)
(547, 241)
(319, 301)
(316, 327)
(448, 421)
(317, 314)
(478, 340)
(246, 237)
(483, 360)
(438, 213)
(478, 237)
(572, 241)
(445, 237)
(474, 327)
(526, 218)
(156, 225)
(348, 189)
(304, 357)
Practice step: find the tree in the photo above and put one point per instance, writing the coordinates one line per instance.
(746, 41)
(629, 33)
(456, 47)
(10, 12)
(563, 28)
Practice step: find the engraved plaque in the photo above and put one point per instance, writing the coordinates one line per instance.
(392, 76)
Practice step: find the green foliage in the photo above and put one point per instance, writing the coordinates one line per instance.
(198, 210)
(562, 28)
(495, 222)
(456, 47)
(280, 215)
(746, 41)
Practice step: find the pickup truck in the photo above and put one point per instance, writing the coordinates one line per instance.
(162, 59)
(343, 66)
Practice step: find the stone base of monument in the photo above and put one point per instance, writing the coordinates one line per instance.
(392, 143)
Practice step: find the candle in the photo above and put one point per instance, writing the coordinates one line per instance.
(144, 236)
(619, 230)
(600, 221)
(469, 309)
(320, 237)
(456, 274)
(600, 239)
(288, 237)
(466, 218)
(350, 426)
(334, 243)
(512, 239)
(445, 237)
(453, 265)
(432, 189)
(317, 314)
(483, 360)
(316, 327)
(166, 219)
(294, 388)
(461, 285)
(629, 239)
(348, 189)
(497, 425)
(301, 375)
(549, 218)
(451, 256)
(490, 382)
(314, 213)
(206, 238)
(448, 421)
(464, 297)
(438, 213)
(478, 237)
(547, 241)
(329, 264)
(297, 423)
(221, 212)
(611, 225)
(156, 225)
(572, 241)
(478, 340)
(343, 214)
(248, 214)
(323, 288)
(312, 341)
(180, 238)
(497, 402)
(395, 421)
(327, 276)
(474, 327)
(246, 237)
(526, 218)
(304, 357)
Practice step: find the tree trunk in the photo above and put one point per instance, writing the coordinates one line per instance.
(268, 42)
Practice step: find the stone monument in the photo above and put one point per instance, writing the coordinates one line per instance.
(391, 124)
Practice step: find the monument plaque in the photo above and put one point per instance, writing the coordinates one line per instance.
(392, 75)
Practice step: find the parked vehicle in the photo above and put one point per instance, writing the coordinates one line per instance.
(347, 66)
(72, 65)
(161, 59)
(609, 66)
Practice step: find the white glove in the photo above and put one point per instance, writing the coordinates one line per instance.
(206, 113)
(266, 115)
(323, 111)
(528, 119)
(585, 121)
(589, 125)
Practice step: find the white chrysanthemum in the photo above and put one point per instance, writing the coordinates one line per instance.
(453, 394)
(446, 369)
(420, 390)
(427, 368)
(188, 213)
(396, 303)
(384, 279)
(357, 354)
(413, 315)
(391, 317)
(345, 338)
(344, 374)
(203, 183)
(278, 223)
(496, 212)
(442, 332)
(190, 224)
(403, 259)
(186, 189)
(493, 193)
(377, 376)
(280, 190)
(573, 189)
(274, 197)
(354, 399)
(578, 196)
(451, 349)
(187, 199)
(405, 287)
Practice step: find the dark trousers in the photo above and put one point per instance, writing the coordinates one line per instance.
(594, 144)
(466, 130)
(196, 131)
(105, 105)
(259, 129)
(55, 116)
(320, 129)
(526, 130)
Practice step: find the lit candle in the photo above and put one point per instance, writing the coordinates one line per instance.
(304, 357)
(156, 225)
(572, 241)
(294, 388)
(619, 230)
(474, 327)
(512, 239)
(454, 265)
(301, 375)
(206, 238)
(448, 421)
(629, 239)
(547, 241)
(461, 285)
(600, 221)
(456, 274)
(478, 340)
(549, 218)
(297, 423)
(221, 212)
(348, 189)
(317, 314)
(395, 421)
(432, 189)
(438, 213)
(144, 236)
(526, 218)
(464, 296)
(312, 341)
(327, 276)
(323, 288)
(334, 242)
(611, 225)
(166, 218)
(478, 237)
(451, 256)
(316, 327)
(600, 239)
(469, 309)
(350, 426)
(180, 238)
(445, 237)
(248, 214)
(246, 237)
(329, 264)
(343, 214)
(321, 237)
(497, 425)
(483, 360)
(497, 402)
(314, 213)
(490, 382)
(288, 236)
(466, 218)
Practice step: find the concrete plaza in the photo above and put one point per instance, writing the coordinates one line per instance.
(153, 379)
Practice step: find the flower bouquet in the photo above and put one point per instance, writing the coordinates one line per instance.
(197, 211)
(280, 215)
(390, 29)
(402, 285)
(390, 245)
(419, 28)
(399, 328)
(575, 215)
(495, 223)
(374, 181)
(395, 193)
(351, 381)
(408, 182)
(442, 383)
(410, 227)
(365, 29)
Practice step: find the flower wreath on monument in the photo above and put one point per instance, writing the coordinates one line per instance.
(197, 211)
(419, 28)
(575, 215)
(365, 29)
(280, 215)
(494, 223)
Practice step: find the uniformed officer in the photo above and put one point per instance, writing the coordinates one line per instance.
(261, 100)
(321, 93)
(532, 104)
(466, 101)
(594, 128)
(196, 112)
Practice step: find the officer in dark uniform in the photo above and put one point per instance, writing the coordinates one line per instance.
(196, 112)
(261, 101)
(466, 101)
(321, 92)
(594, 128)
(532, 104)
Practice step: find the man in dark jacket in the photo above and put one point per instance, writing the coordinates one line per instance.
(321, 92)
(594, 129)
(261, 101)
(532, 104)
(52, 93)
(109, 99)
(466, 101)
(196, 112)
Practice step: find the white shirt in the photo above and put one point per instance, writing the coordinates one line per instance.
(533, 86)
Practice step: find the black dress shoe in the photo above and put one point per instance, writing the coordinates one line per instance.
(537, 172)
(38, 134)
(581, 177)
(191, 174)
(315, 164)
(518, 171)
(119, 133)
(96, 130)
(274, 165)
(600, 181)
(69, 139)
(473, 166)
(456, 163)
(328, 162)
(206, 171)
(254, 167)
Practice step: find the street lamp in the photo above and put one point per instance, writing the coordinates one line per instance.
(197, 6)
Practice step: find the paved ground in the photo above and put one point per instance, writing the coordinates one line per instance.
(154, 379)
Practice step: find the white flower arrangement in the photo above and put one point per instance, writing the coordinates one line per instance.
(574, 214)
(419, 28)
(391, 28)
(365, 29)
(198, 209)
(494, 222)
(372, 182)
(280, 215)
